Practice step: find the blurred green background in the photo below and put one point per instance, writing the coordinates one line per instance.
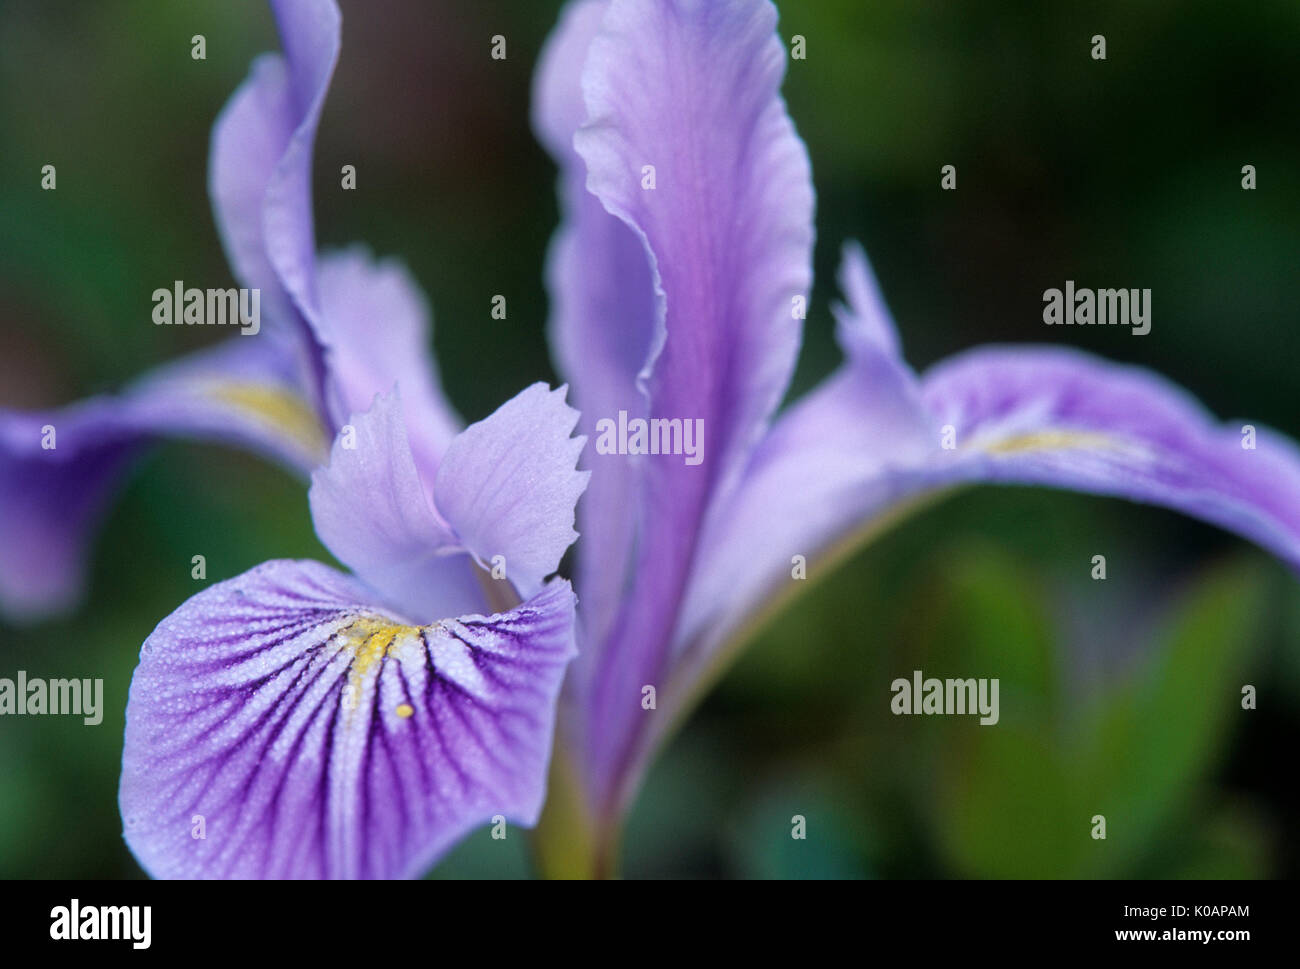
(1119, 698)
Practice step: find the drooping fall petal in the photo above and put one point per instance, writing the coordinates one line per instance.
(283, 725)
(59, 468)
(870, 443)
(1062, 418)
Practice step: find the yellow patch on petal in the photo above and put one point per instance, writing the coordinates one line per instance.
(370, 640)
(1053, 441)
(281, 409)
(405, 711)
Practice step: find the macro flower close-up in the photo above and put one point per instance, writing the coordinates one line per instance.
(722, 591)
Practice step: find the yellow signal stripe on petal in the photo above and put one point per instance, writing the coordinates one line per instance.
(1054, 441)
(370, 640)
(281, 409)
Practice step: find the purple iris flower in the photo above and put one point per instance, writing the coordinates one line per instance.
(312, 724)
(318, 724)
(295, 721)
(687, 242)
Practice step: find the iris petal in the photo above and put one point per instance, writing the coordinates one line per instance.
(688, 141)
(373, 511)
(603, 317)
(284, 725)
(375, 325)
(55, 485)
(1062, 418)
(869, 444)
(508, 485)
(259, 173)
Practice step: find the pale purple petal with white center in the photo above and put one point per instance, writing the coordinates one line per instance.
(243, 393)
(306, 732)
(684, 96)
(372, 510)
(507, 486)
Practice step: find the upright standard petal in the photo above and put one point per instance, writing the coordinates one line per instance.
(603, 318)
(260, 172)
(248, 139)
(689, 143)
(283, 725)
(58, 468)
(310, 33)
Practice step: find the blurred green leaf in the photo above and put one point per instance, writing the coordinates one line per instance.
(1018, 797)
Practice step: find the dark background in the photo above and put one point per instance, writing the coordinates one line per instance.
(1118, 697)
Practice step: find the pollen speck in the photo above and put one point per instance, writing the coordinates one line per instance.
(405, 711)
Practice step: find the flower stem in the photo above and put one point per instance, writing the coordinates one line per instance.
(568, 843)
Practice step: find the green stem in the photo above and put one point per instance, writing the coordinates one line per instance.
(568, 842)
